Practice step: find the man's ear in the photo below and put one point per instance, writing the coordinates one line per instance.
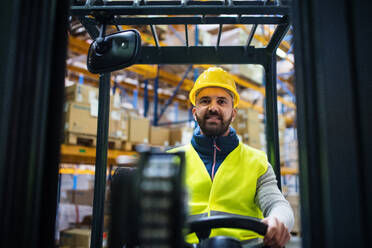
(193, 113)
(233, 114)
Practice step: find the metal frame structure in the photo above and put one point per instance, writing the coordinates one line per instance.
(333, 89)
(31, 110)
(94, 14)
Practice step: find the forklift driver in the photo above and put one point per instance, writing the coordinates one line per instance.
(225, 176)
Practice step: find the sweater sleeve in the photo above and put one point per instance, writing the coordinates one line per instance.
(271, 201)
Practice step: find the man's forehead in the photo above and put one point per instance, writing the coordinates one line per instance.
(214, 91)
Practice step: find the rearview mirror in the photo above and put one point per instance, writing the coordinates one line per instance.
(114, 52)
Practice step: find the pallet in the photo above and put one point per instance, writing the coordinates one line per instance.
(91, 141)
(127, 146)
(114, 143)
(80, 139)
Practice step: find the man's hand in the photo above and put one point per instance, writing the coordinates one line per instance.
(277, 234)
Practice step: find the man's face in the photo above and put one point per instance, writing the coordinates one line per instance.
(214, 111)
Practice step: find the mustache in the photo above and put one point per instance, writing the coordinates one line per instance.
(212, 114)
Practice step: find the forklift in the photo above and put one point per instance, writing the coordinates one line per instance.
(123, 48)
(333, 93)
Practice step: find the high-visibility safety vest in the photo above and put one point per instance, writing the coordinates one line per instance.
(233, 189)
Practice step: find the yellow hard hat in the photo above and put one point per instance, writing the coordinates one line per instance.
(214, 77)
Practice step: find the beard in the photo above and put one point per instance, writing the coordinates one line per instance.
(213, 130)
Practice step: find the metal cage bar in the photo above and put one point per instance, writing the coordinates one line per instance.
(219, 36)
(186, 36)
(191, 20)
(251, 34)
(202, 55)
(180, 10)
(156, 39)
(272, 137)
(101, 160)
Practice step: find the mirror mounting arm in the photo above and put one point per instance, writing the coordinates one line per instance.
(101, 45)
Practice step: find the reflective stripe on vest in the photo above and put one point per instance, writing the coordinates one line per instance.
(233, 189)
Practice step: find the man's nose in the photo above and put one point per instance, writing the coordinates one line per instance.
(213, 106)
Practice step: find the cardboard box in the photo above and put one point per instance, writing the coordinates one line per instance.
(139, 129)
(79, 118)
(247, 114)
(281, 123)
(180, 135)
(74, 238)
(255, 140)
(118, 124)
(249, 129)
(80, 197)
(255, 144)
(81, 93)
(115, 101)
(159, 136)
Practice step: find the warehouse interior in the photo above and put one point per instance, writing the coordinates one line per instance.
(62, 139)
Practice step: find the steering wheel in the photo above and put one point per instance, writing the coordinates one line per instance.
(202, 228)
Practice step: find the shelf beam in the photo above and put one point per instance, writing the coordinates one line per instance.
(75, 154)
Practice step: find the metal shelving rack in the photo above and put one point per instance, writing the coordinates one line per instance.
(95, 13)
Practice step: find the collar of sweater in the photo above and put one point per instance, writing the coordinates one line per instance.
(204, 144)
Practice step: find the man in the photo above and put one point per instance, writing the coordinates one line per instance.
(224, 176)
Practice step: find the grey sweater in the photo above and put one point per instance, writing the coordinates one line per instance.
(271, 201)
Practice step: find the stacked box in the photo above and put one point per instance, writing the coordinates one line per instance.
(80, 197)
(291, 154)
(81, 93)
(79, 118)
(81, 113)
(159, 136)
(139, 128)
(180, 135)
(75, 238)
(118, 124)
(248, 125)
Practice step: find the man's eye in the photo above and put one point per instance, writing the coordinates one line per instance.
(203, 101)
(221, 101)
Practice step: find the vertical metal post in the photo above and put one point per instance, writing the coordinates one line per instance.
(186, 36)
(156, 86)
(81, 79)
(176, 111)
(101, 160)
(196, 70)
(272, 137)
(146, 98)
(135, 99)
(196, 35)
